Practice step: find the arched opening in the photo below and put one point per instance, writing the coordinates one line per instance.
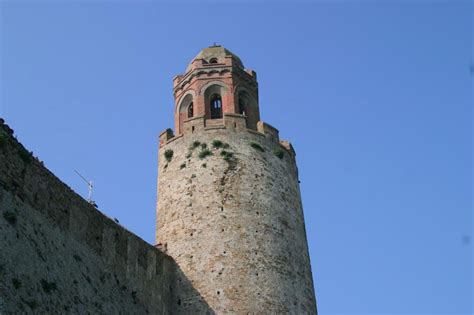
(214, 94)
(190, 110)
(185, 110)
(216, 106)
(246, 105)
(242, 106)
(213, 60)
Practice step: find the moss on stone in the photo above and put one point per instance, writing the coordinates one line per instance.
(257, 146)
(204, 153)
(278, 153)
(217, 144)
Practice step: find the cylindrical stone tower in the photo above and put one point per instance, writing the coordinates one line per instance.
(229, 207)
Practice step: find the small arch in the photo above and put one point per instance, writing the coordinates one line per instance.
(246, 104)
(184, 102)
(213, 60)
(216, 106)
(190, 110)
(214, 86)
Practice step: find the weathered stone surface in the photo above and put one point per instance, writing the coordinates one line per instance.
(60, 255)
(235, 227)
(229, 215)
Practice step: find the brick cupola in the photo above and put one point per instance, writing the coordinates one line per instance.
(214, 85)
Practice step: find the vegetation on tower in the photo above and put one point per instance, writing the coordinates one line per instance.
(168, 155)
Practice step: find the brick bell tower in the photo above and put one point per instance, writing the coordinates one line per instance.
(229, 209)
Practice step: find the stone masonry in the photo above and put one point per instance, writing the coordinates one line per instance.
(229, 208)
(230, 234)
(60, 255)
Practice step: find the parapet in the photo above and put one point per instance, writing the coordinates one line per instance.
(231, 122)
(269, 131)
(165, 136)
(287, 145)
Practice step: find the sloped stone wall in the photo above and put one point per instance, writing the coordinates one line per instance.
(60, 255)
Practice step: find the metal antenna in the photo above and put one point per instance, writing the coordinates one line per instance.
(89, 186)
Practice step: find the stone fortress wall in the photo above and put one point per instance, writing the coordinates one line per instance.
(233, 221)
(60, 255)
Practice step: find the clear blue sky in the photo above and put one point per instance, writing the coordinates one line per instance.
(375, 97)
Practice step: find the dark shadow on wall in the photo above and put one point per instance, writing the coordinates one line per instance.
(185, 299)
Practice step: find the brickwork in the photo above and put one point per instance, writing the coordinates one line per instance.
(227, 77)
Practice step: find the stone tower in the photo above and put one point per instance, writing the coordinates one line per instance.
(229, 208)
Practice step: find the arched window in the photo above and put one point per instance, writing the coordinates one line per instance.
(216, 106)
(241, 106)
(190, 110)
(213, 60)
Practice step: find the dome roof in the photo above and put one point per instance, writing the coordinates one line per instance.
(215, 52)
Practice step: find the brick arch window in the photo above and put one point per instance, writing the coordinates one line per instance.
(190, 110)
(213, 60)
(216, 106)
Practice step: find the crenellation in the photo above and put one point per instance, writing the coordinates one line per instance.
(269, 131)
(166, 135)
(235, 121)
(287, 145)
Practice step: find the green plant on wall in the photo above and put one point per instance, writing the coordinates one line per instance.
(227, 155)
(278, 153)
(217, 144)
(168, 155)
(204, 153)
(257, 146)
